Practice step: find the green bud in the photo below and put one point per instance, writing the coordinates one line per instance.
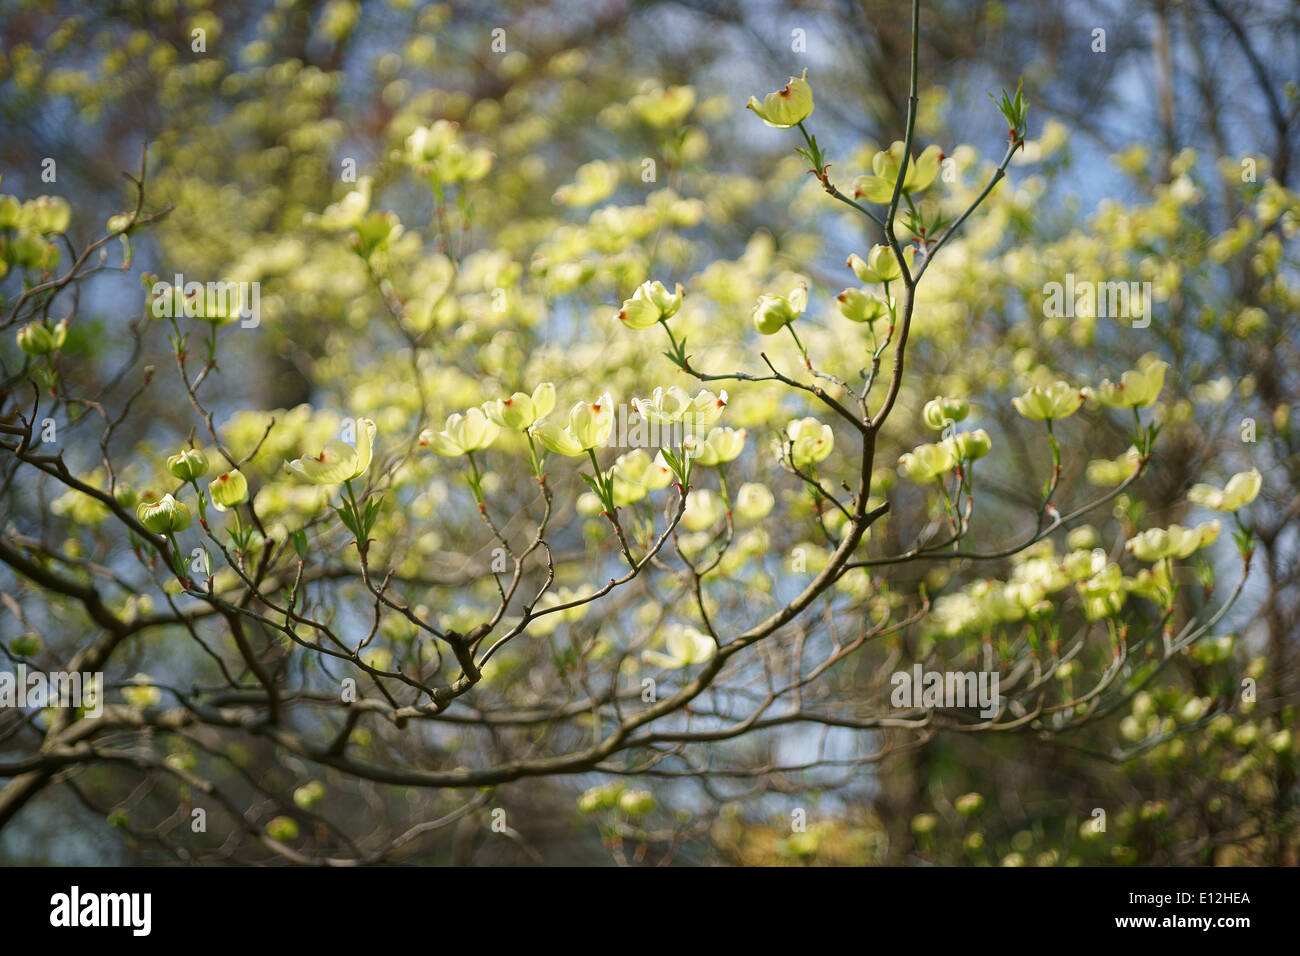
(164, 516)
(26, 646)
(969, 804)
(228, 490)
(939, 412)
(188, 464)
(41, 338)
(636, 802)
(283, 829)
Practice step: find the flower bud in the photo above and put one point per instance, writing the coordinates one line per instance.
(188, 464)
(636, 802)
(774, 311)
(971, 445)
(927, 462)
(228, 490)
(810, 441)
(651, 303)
(856, 306)
(753, 501)
(722, 445)
(940, 412)
(969, 804)
(41, 338)
(1046, 402)
(164, 516)
(591, 422)
(880, 265)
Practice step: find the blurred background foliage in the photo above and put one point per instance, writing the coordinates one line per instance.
(604, 144)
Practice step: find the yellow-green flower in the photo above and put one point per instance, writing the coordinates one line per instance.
(878, 186)
(589, 426)
(461, 434)
(188, 464)
(857, 306)
(338, 461)
(754, 501)
(1136, 389)
(635, 473)
(1241, 490)
(636, 802)
(1047, 402)
(810, 441)
(704, 509)
(968, 446)
(722, 445)
(685, 646)
(788, 106)
(651, 303)
(663, 108)
(143, 694)
(40, 338)
(927, 462)
(880, 266)
(228, 490)
(940, 412)
(1172, 542)
(674, 404)
(519, 411)
(1109, 472)
(164, 516)
(773, 312)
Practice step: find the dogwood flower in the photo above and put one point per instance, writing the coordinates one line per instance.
(940, 412)
(228, 490)
(589, 426)
(706, 408)
(857, 306)
(722, 445)
(685, 646)
(636, 473)
(664, 406)
(704, 508)
(1136, 389)
(1108, 472)
(927, 462)
(663, 108)
(1058, 400)
(651, 303)
(753, 501)
(810, 441)
(774, 311)
(1172, 542)
(880, 266)
(1241, 490)
(166, 515)
(338, 461)
(969, 446)
(188, 464)
(519, 411)
(461, 434)
(40, 338)
(674, 404)
(878, 186)
(788, 106)
(1103, 594)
